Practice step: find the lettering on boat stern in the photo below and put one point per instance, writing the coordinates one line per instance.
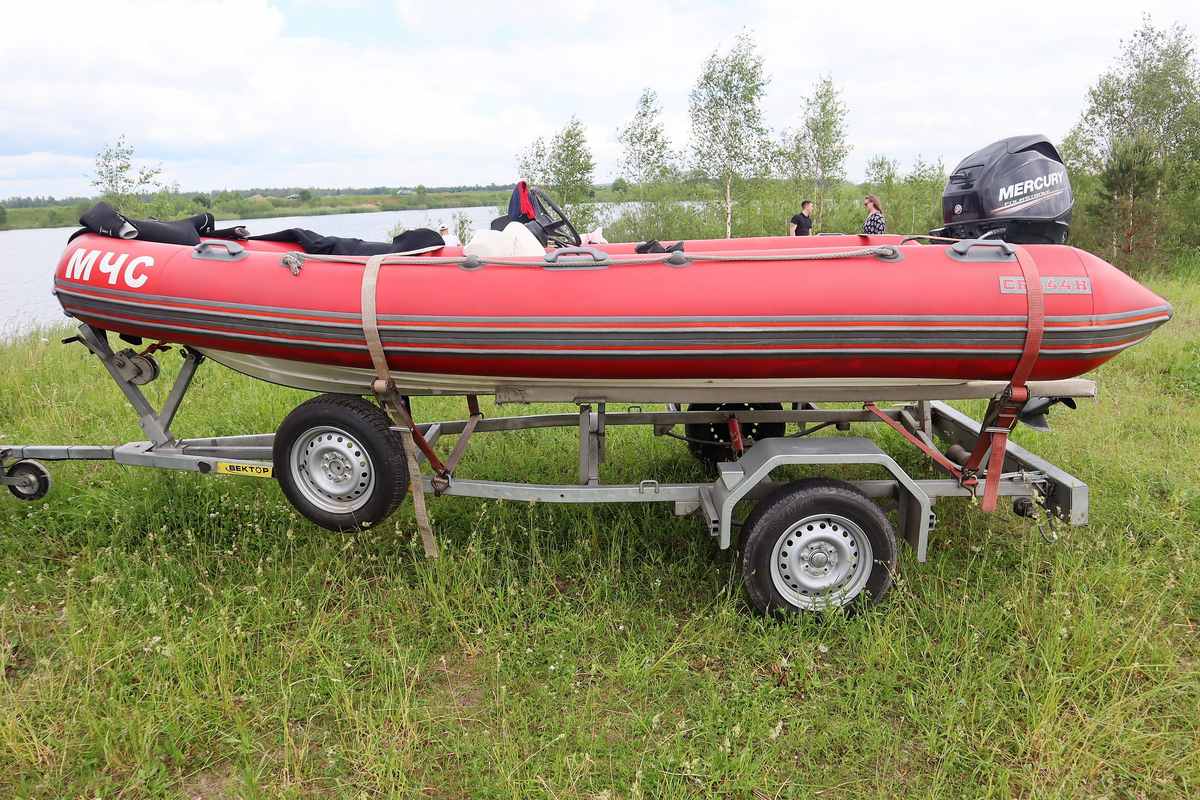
(242, 468)
(110, 268)
(1051, 284)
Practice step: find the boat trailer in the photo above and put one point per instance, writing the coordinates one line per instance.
(806, 545)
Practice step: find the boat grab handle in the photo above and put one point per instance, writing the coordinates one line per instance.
(962, 248)
(599, 258)
(209, 251)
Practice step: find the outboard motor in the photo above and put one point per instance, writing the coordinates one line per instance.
(1015, 189)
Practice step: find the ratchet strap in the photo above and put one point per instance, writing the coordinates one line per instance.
(1003, 411)
(941, 460)
(389, 397)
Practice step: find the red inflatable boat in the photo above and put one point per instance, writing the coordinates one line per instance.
(775, 313)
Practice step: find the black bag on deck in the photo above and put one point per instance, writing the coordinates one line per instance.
(105, 220)
(419, 239)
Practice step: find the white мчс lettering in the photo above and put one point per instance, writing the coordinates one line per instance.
(110, 265)
(79, 267)
(81, 263)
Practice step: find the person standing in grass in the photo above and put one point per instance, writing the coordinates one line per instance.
(801, 224)
(875, 223)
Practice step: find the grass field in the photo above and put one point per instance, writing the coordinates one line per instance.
(167, 635)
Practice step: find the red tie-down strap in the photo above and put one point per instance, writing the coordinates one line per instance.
(1003, 412)
(920, 444)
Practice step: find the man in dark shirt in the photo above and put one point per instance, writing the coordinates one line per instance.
(801, 224)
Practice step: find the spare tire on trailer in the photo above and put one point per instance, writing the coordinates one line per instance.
(339, 463)
(817, 544)
(709, 441)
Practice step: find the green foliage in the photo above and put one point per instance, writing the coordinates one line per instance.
(881, 173)
(620, 186)
(3, 215)
(565, 168)
(1126, 194)
(533, 163)
(120, 182)
(571, 166)
(814, 155)
(462, 227)
(1135, 152)
(645, 148)
(1152, 93)
(729, 137)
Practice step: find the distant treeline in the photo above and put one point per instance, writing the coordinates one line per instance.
(277, 191)
(251, 204)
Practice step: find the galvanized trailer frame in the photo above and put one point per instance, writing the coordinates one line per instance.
(1027, 479)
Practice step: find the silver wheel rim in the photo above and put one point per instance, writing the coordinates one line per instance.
(332, 469)
(822, 561)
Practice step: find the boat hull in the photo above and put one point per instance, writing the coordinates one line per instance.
(354, 380)
(735, 323)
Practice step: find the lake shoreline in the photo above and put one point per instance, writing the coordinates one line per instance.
(273, 213)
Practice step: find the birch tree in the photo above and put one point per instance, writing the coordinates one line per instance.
(816, 151)
(564, 167)
(119, 181)
(729, 139)
(645, 147)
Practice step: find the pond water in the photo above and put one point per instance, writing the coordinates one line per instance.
(28, 257)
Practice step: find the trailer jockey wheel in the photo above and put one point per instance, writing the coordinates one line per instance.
(709, 441)
(28, 480)
(339, 462)
(817, 544)
(147, 370)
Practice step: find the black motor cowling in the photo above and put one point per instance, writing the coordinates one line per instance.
(1015, 189)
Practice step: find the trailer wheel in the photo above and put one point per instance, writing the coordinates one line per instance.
(816, 544)
(709, 441)
(31, 480)
(339, 463)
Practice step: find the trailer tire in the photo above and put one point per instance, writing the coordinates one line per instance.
(339, 463)
(816, 544)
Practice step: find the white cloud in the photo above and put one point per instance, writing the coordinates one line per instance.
(228, 94)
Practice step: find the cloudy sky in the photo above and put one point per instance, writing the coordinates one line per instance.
(393, 92)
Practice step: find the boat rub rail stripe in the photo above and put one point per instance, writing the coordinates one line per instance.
(658, 330)
(142, 325)
(566, 338)
(140, 298)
